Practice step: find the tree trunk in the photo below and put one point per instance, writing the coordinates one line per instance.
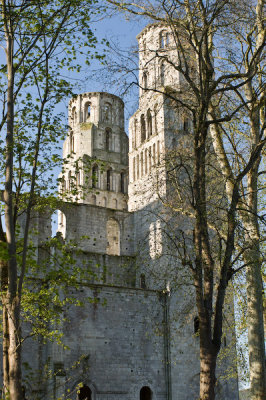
(14, 350)
(207, 373)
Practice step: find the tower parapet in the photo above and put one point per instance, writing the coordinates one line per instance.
(97, 150)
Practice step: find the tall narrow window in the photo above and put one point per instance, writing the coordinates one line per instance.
(145, 393)
(141, 164)
(153, 154)
(143, 128)
(137, 166)
(149, 123)
(74, 115)
(107, 112)
(71, 142)
(185, 125)
(156, 119)
(84, 393)
(108, 179)
(150, 158)
(161, 40)
(145, 80)
(196, 324)
(134, 135)
(95, 177)
(108, 135)
(87, 111)
(122, 182)
(146, 161)
(162, 73)
(158, 152)
(69, 181)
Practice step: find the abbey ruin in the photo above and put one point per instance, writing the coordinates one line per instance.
(138, 340)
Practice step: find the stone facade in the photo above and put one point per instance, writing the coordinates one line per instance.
(136, 338)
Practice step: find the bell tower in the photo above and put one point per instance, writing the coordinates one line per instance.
(96, 151)
(156, 123)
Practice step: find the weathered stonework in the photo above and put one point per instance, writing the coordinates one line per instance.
(137, 340)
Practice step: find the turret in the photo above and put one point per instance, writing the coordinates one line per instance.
(96, 149)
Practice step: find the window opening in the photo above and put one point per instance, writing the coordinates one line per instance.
(87, 111)
(58, 223)
(108, 179)
(93, 199)
(196, 324)
(134, 136)
(107, 112)
(122, 182)
(149, 123)
(74, 115)
(63, 184)
(141, 164)
(108, 139)
(84, 393)
(143, 128)
(137, 166)
(146, 157)
(94, 177)
(145, 80)
(158, 152)
(186, 125)
(145, 393)
(162, 73)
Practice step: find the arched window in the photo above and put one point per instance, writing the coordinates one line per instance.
(87, 111)
(143, 128)
(107, 112)
(104, 202)
(113, 237)
(122, 182)
(71, 142)
(115, 203)
(141, 164)
(84, 393)
(108, 138)
(149, 123)
(108, 179)
(145, 393)
(58, 223)
(161, 40)
(196, 324)
(142, 281)
(95, 177)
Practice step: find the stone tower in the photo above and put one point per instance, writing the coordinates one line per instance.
(134, 337)
(96, 150)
